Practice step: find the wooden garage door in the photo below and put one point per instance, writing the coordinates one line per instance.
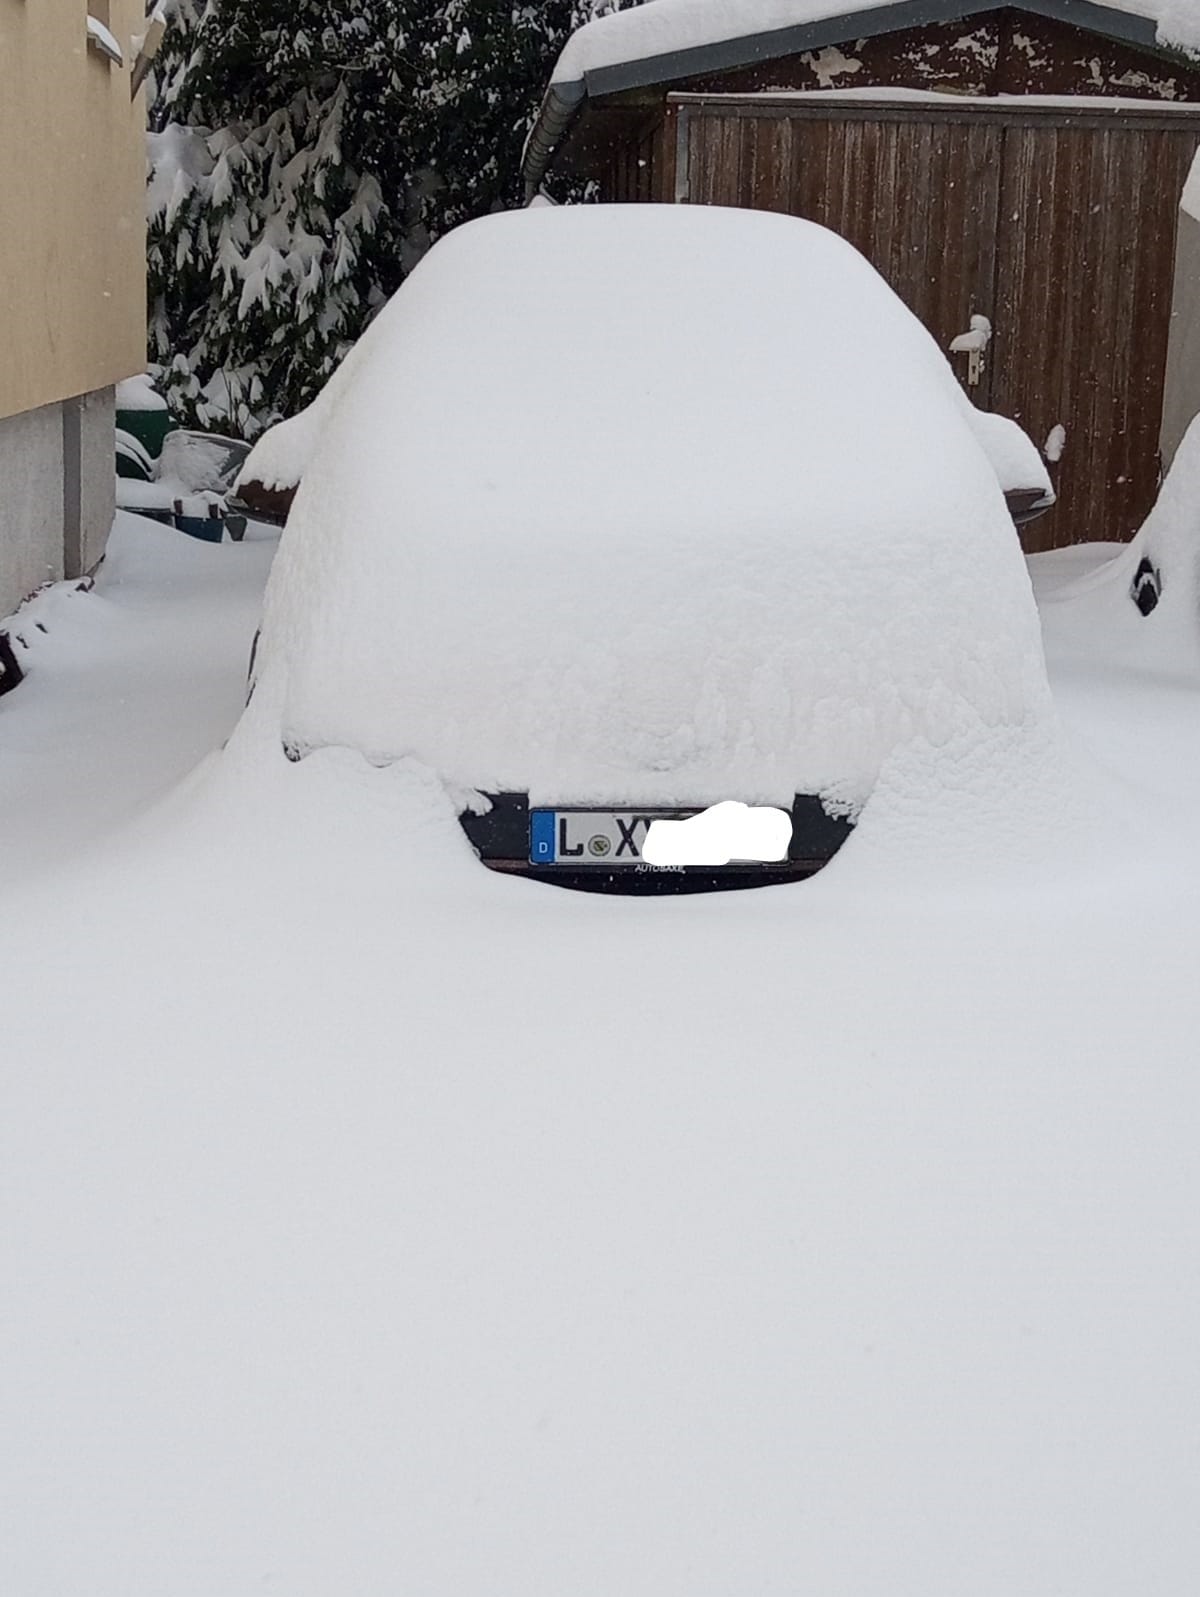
(1058, 227)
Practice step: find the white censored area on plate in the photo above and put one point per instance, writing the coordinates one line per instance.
(719, 835)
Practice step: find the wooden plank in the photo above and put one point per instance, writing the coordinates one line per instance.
(748, 128)
(727, 176)
(647, 155)
(696, 140)
(666, 138)
(772, 165)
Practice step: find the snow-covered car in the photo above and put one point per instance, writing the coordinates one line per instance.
(271, 474)
(630, 511)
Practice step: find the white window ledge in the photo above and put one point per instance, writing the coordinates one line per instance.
(103, 42)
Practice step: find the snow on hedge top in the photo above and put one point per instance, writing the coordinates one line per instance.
(649, 504)
(659, 27)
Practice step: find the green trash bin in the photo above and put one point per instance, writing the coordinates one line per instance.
(134, 461)
(149, 427)
(143, 414)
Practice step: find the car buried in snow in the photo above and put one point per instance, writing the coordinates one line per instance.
(633, 511)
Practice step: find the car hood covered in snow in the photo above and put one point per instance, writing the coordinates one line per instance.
(618, 507)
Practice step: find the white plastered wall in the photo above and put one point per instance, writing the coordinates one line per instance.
(97, 482)
(57, 493)
(31, 503)
(1181, 397)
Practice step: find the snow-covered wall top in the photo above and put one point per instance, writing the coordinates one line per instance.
(663, 27)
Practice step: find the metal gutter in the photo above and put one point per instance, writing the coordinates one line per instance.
(564, 101)
(562, 105)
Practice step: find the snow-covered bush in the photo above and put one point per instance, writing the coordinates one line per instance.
(303, 156)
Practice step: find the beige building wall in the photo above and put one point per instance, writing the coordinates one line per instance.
(72, 203)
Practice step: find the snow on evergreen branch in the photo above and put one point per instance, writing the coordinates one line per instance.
(303, 156)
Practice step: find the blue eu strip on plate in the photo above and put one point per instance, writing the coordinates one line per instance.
(541, 837)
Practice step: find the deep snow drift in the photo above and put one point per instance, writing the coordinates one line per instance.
(677, 546)
(378, 1224)
(1097, 602)
(374, 1224)
(126, 688)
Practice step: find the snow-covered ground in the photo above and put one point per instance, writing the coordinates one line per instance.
(127, 688)
(376, 1224)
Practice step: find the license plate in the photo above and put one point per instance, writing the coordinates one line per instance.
(611, 839)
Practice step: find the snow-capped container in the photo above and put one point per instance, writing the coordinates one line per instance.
(142, 414)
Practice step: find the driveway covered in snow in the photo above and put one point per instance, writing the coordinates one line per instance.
(127, 687)
(376, 1224)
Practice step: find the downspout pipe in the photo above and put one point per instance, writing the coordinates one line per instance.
(562, 104)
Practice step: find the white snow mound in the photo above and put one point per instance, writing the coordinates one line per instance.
(1015, 458)
(1178, 21)
(618, 508)
(138, 393)
(1166, 551)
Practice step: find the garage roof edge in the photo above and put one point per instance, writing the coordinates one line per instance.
(565, 100)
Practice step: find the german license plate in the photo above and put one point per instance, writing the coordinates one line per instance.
(612, 839)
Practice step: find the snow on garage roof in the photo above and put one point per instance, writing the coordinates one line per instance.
(661, 29)
(664, 40)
